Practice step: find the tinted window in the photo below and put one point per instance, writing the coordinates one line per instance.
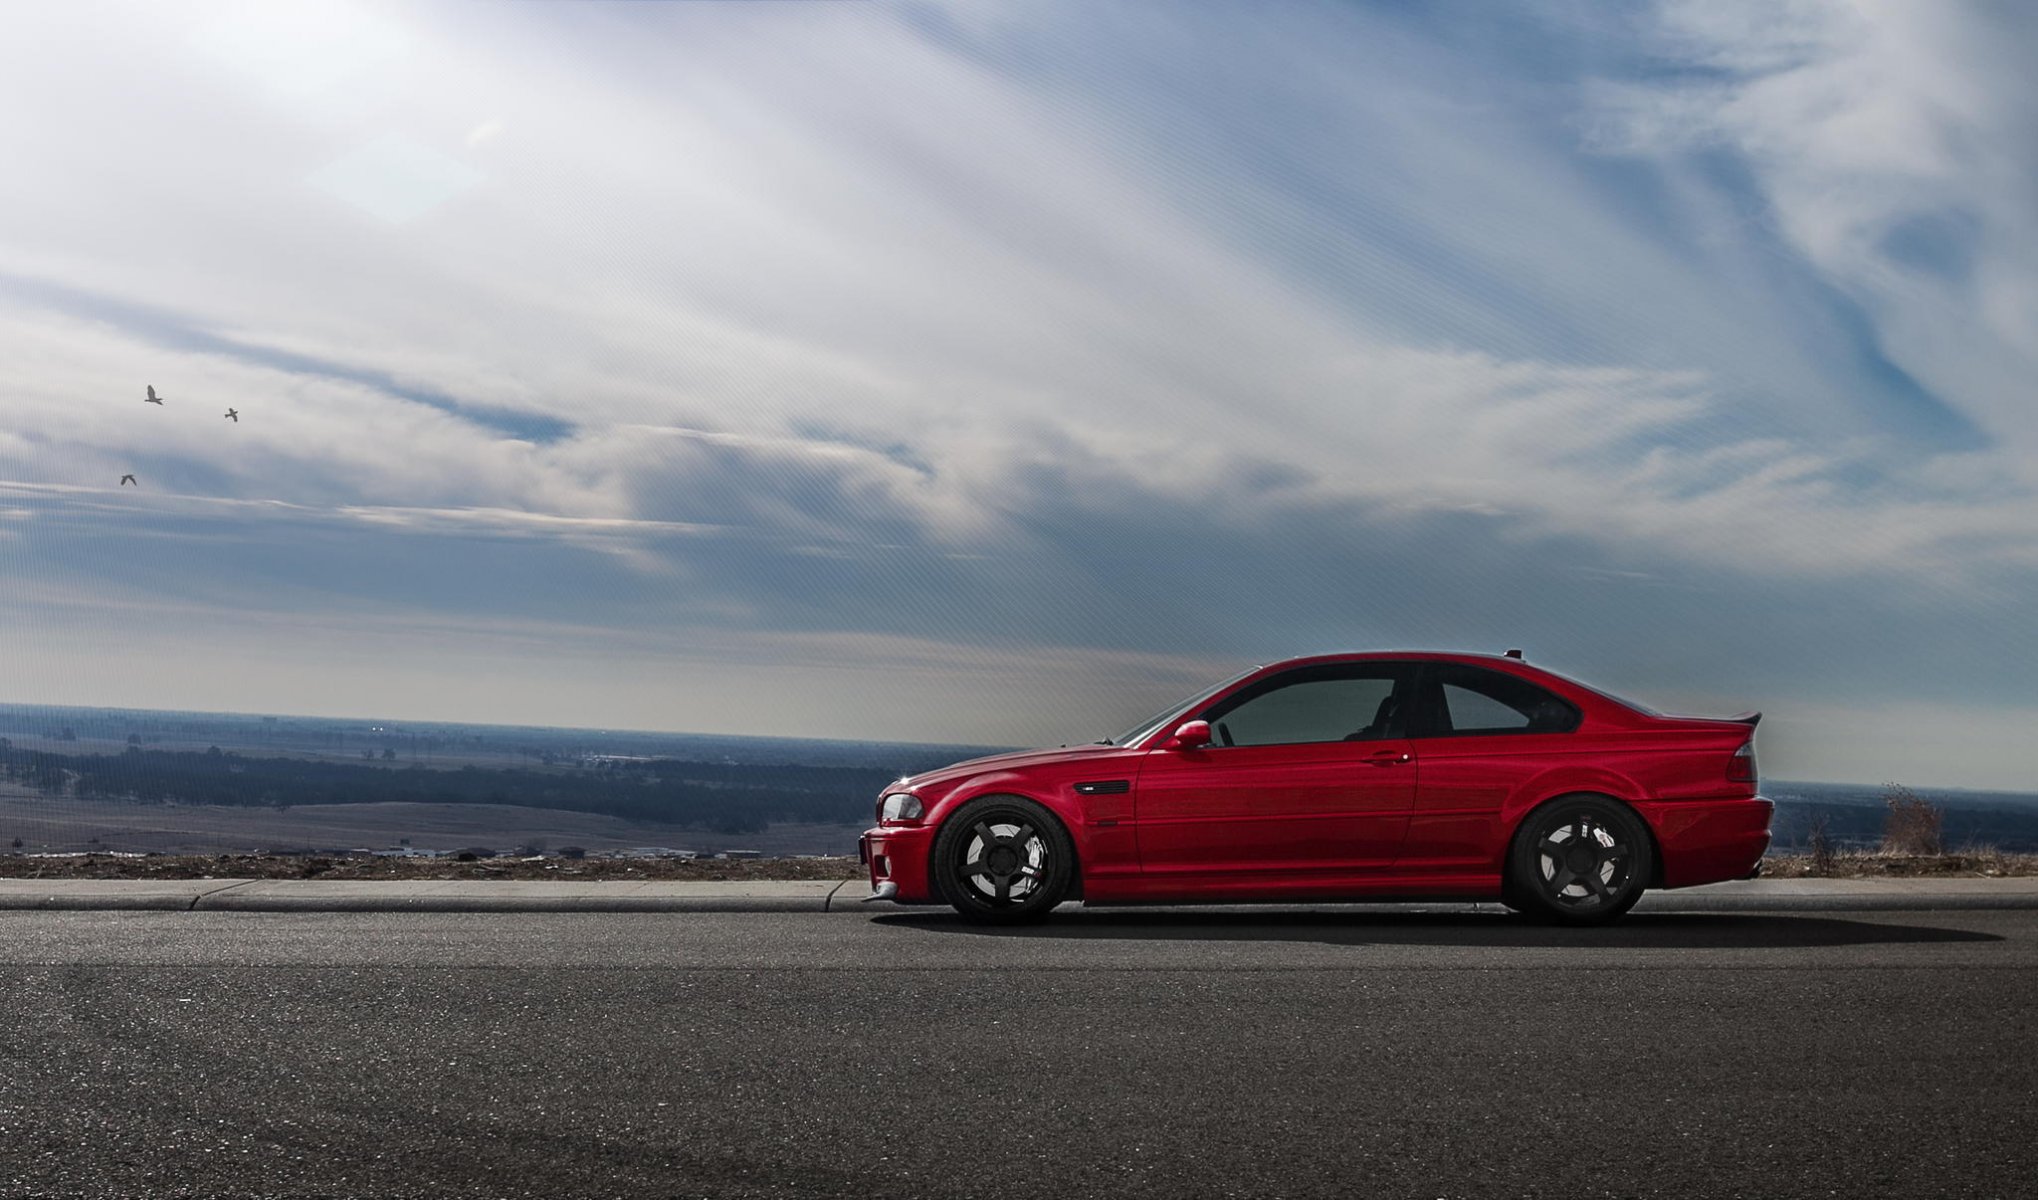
(1313, 704)
(1470, 700)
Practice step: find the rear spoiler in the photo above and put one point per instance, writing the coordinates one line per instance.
(1750, 719)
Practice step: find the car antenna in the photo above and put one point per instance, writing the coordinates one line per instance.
(1513, 654)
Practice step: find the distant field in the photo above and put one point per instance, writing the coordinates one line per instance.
(47, 825)
(495, 786)
(1854, 815)
(283, 746)
(75, 730)
(349, 783)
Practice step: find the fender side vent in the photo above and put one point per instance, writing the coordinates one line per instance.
(1104, 787)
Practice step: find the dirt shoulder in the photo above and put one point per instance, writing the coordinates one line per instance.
(264, 866)
(1899, 866)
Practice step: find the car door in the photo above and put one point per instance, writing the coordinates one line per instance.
(1481, 734)
(1308, 773)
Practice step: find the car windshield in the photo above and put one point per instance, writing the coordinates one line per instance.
(1172, 712)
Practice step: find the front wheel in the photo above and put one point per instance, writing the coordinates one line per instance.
(1003, 860)
(1583, 860)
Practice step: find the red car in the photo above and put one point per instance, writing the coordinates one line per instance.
(1391, 776)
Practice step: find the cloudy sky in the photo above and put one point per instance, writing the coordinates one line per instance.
(995, 372)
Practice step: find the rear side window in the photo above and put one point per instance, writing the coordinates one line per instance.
(1468, 700)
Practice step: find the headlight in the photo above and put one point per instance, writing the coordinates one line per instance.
(900, 806)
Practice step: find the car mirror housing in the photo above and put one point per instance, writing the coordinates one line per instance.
(1188, 735)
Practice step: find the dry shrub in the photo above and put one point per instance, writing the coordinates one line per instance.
(1820, 841)
(1911, 824)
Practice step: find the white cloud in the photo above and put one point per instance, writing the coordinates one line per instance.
(1554, 450)
(823, 289)
(302, 52)
(395, 178)
(1897, 151)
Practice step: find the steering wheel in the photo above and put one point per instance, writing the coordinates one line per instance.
(1225, 734)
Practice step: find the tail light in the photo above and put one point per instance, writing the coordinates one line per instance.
(1741, 767)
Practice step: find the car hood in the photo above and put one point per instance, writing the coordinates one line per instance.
(1016, 759)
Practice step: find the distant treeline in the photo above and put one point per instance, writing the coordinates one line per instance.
(746, 797)
(1855, 826)
(725, 798)
(276, 736)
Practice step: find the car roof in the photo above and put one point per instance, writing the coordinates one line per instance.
(1592, 699)
(1416, 655)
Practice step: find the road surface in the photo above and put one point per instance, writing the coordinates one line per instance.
(1359, 1052)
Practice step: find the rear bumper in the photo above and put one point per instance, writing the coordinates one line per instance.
(897, 855)
(1709, 841)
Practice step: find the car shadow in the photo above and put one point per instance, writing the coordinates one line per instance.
(1646, 931)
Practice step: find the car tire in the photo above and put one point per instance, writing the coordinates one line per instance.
(1579, 860)
(1003, 860)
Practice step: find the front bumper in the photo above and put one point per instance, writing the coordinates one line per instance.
(897, 855)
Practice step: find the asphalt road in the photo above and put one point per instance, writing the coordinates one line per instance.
(1130, 1054)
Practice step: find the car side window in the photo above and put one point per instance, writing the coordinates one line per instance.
(1338, 703)
(1472, 700)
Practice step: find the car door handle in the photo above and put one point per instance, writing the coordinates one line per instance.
(1389, 758)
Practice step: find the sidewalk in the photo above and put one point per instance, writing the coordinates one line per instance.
(829, 896)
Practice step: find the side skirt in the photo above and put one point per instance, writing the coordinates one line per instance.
(1262, 889)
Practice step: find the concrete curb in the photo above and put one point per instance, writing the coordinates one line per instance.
(1857, 895)
(172, 894)
(829, 896)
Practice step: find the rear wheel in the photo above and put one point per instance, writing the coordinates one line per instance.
(1580, 860)
(1003, 860)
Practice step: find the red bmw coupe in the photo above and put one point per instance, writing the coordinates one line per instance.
(1391, 776)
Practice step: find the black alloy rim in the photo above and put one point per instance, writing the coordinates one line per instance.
(1005, 862)
(1583, 861)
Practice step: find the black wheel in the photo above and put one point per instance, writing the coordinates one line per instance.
(1580, 860)
(1003, 860)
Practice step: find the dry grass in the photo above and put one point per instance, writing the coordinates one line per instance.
(1972, 862)
(1978, 862)
(263, 866)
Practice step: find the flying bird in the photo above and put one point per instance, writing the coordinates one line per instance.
(153, 398)
(127, 479)
(234, 415)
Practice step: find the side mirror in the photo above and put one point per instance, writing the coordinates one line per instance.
(1188, 735)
